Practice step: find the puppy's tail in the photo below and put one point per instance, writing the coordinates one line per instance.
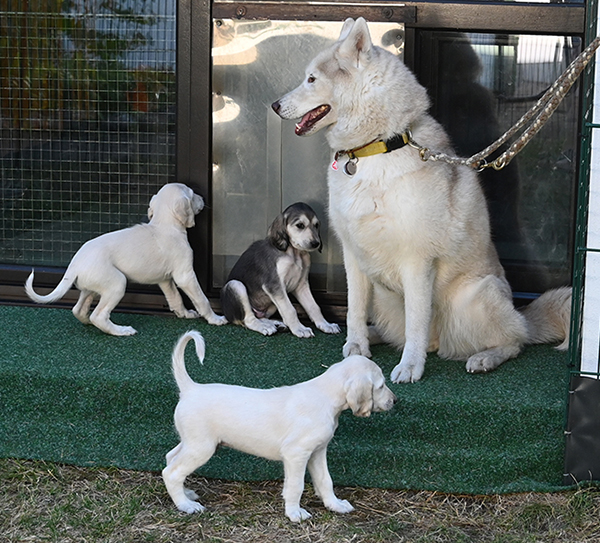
(234, 297)
(549, 317)
(184, 381)
(61, 289)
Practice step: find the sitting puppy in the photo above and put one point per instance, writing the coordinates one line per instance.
(293, 424)
(154, 253)
(259, 283)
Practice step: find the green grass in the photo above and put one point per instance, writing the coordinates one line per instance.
(71, 394)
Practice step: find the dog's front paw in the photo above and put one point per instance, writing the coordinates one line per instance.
(328, 327)
(354, 347)
(188, 314)
(407, 372)
(302, 331)
(340, 506)
(296, 514)
(190, 507)
(217, 320)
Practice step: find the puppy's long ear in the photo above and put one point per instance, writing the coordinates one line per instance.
(151, 207)
(277, 233)
(357, 45)
(184, 212)
(359, 395)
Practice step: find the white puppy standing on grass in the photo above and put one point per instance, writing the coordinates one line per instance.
(293, 424)
(157, 253)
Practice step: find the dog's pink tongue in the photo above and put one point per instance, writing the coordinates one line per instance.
(307, 122)
(304, 124)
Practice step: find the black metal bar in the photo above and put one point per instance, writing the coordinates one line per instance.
(194, 122)
(319, 11)
(506, 17)
(582, 458)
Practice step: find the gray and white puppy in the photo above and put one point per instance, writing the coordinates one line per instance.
(269, 269)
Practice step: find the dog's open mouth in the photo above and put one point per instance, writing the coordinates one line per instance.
(311, 118)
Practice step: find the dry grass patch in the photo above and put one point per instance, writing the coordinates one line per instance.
(48, 502)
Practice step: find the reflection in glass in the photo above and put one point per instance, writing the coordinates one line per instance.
(481, 84)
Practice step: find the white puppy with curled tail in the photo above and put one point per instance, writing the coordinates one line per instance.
(157, 253)
(293, 424)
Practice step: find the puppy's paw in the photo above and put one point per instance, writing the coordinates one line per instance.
(190, 494)
(328, 327)
(190, 507)
(188, 314)
(123, 331)
(355, 347)
(340, 506)
(406, 372)
(217, 320)
(265, 327)
(302, 331)
(296, 514)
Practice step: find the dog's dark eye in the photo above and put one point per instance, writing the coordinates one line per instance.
(311, 79)
(300, 226)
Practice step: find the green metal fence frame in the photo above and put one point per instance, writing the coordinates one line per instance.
(581, 249)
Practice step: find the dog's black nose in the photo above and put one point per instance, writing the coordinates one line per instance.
(276, 106)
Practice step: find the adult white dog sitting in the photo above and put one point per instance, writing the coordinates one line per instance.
(293, 424)
(157, 253)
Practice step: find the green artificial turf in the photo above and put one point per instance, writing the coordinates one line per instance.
(69, 393)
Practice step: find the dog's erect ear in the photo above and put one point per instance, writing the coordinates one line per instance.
(359, 395)
(151, 207)
(357, 44)
(277, 233)
(348, 24)
(184, 212)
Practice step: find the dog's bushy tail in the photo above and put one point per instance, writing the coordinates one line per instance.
(184, 381)
(61, 289)
(549, 317)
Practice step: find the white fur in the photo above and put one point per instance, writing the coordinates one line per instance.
(154, 253)
(418, 254)
(292, 424)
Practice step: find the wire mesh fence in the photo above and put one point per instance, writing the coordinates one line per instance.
(87, 120)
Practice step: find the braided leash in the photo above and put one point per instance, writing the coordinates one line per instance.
(546, 106)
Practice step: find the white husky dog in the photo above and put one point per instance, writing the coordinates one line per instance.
(419, 259)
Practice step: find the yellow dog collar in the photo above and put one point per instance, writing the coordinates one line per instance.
(376, 147)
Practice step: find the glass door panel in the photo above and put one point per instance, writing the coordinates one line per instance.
(259, 165)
